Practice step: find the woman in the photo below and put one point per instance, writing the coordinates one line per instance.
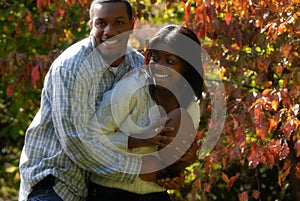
(133, 114)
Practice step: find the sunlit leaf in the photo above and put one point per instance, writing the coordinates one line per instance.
(297, 148)
(297, 171)
(228, 18)
(243, 196)
(255, 194)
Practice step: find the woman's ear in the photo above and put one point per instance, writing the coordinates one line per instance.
(132, 22)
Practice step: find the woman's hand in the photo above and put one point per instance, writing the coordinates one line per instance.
(153, 137)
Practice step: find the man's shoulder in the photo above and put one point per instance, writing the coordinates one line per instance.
(76, 53)
(83, 46)
(135, 57)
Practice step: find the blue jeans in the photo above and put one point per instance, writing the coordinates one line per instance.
(43, 195)
(43, 191)
(97, 192)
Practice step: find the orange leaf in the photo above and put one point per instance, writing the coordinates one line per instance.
(273, 122)
(297, 148)
(225, 178)
(286, 50)
(228, 18)
(261, 132)
(207, 187)
(255, 194)
(284, 173)
(235, 122)
(297, 171)
(28, 17)
(231, 181)
(235, 46)
(270, 159)
(187, 12)
(243, 196)
(288, 128)
(253, 158)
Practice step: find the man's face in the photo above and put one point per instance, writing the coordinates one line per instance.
(111, 28)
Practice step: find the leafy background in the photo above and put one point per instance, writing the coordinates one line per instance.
(255, 47)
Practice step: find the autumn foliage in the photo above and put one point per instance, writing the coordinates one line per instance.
(255, 46)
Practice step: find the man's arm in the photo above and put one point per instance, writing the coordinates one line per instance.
(71, 112)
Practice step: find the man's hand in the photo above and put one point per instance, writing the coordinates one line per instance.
(150, 168)
(188, 158)
(184, 135)
(176, 182)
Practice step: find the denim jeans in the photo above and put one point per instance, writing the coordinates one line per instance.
(97, 193)
(40, 194)
(43, 191)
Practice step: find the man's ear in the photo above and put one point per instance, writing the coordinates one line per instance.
(91, 24)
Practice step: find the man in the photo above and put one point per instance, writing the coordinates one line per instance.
(57, 154)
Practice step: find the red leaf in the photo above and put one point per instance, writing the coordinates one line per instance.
(288, 128)
(228, 18)
(28, 17)
(9, 91)
(253, 158)
(297, 170)
(255, 194)
(240, 136)
(273, 122)
(270, 159)
(285, 151)
(231, 182)
(259, 123)
(207, 187)
(297, 148)
(286, 50)
(35, 75)
(39, 4)
(243, 196)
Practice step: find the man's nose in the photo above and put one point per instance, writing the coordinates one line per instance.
(110, 30)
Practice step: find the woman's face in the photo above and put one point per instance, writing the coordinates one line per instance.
(166, 69)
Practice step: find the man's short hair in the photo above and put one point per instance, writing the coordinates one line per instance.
(127, 3)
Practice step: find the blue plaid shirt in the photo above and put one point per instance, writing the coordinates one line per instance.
(58, 142)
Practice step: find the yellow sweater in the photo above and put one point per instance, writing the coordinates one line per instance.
(129, 109)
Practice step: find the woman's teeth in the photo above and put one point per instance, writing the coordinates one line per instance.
(161, 75)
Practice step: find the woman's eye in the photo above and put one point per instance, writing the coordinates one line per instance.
(153, 58)
(171, 62)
